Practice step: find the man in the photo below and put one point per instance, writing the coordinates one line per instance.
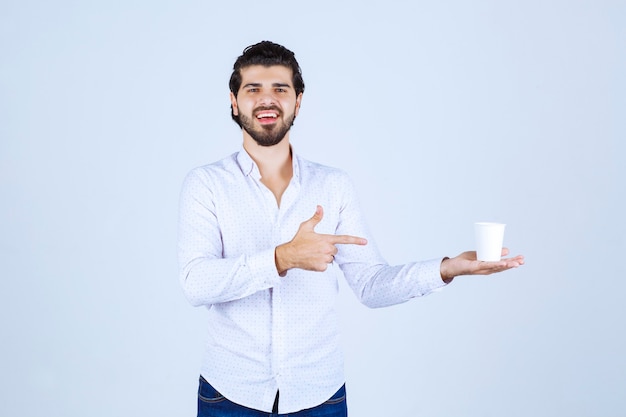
(267, 271)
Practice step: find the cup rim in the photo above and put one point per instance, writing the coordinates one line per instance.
(489, 224)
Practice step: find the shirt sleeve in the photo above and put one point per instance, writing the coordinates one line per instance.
(373, 281)
(206, 277)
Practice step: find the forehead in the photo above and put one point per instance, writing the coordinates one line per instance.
(266, 74)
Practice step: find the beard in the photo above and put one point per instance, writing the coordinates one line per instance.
(267, 135)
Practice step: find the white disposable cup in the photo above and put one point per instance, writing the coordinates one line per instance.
(489, 239)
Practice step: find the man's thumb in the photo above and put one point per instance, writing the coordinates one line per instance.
(317, 217)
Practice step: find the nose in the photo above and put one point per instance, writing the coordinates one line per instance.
(267, 99)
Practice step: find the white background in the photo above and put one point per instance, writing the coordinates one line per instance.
(444, 113)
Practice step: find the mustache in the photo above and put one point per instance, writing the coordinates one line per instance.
(267, 108)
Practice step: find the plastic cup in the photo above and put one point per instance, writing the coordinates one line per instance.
(489, 239)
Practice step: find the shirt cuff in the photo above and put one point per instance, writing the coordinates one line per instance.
(431, 276)
(263, 265)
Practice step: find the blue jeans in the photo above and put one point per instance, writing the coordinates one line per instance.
(213, 404)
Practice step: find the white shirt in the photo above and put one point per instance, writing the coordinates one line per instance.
(268, 333)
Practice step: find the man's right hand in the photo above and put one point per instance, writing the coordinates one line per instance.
(310, 250)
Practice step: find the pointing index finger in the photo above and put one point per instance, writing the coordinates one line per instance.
(347, 240)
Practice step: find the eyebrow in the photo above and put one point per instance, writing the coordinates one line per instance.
(282, 85)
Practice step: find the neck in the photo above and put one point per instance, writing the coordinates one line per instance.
(274, 164)
(271, 160)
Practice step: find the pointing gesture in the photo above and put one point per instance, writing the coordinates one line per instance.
(310, 250)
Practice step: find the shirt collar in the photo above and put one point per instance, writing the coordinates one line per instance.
(249, 167)
(246, 163)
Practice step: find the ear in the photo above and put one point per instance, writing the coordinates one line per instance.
(233, 103)
(298, 103)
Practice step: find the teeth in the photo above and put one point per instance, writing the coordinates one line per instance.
(264, 115)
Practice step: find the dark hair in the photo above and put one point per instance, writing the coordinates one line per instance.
(265, 53)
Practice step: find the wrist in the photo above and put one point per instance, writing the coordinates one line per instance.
(446, 275)
(279, 260)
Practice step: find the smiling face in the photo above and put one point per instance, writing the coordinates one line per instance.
(266, 103)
